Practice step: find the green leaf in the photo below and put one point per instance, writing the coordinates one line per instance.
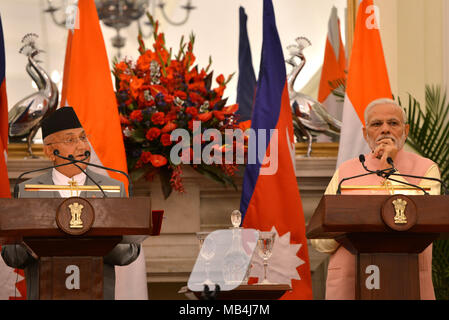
(139, 135)
(165, 175)
(137, 174)
(429, 136)
(216, 174)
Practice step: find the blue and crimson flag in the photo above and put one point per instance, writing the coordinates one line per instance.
(246, 85)
(270, 194)
(12, 281)
(4, 181)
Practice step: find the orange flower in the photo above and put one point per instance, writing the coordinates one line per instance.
(231, 109)
(219, 115)
(143, 63)
(220, 90)
(122, 66)
(196, 98)
(156, 88)
(203, 117)
(245, 125)
(135, 86)
(220, 79)
(181, 94)
(158, 160)
(124, 77)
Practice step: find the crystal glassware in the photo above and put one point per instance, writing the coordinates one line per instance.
(207, 252)
(265, 249)
(236, 218)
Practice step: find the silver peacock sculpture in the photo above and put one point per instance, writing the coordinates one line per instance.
(310, 118)
(26, 116)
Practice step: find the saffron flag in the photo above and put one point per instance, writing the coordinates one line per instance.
(270, 196)
(88, 88)
(246, 85)
(367, 81)
(12, 281)
(334, 65)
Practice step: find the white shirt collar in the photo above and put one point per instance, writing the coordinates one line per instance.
(62, 180)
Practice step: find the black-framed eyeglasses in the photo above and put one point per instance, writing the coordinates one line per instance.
(71, 141)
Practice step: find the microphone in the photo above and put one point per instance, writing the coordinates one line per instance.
(418, 177)
(83, 171)
(87, 154)
(16, 185)
(386, 173)
(380, 173)
(362, 160)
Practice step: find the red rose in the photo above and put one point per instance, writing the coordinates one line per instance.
(153, 133)
(145, 156)
(158, 160)
(165, 139)
(171, 116)
(124, 120)
(192, 110)
(136, 115)
(158, 118)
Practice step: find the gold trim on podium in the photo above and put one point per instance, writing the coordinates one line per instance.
(51, 187)
(383, 188)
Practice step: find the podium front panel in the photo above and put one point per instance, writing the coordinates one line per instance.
(71, 278)
(387, 276)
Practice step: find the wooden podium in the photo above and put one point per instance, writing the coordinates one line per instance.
(70, 237)
(386, 234)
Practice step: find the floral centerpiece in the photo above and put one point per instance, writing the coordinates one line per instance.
(160, 93)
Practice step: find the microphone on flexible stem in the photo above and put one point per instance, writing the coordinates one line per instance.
(418, 177)
(87, 154)
(386, 173)
(362, 160)
(16, 185)
(380, 173)
(73, 160)
(349, 178)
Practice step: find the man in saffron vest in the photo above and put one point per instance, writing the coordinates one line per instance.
(385, 132)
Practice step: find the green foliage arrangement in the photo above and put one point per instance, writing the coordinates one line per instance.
(429, 136)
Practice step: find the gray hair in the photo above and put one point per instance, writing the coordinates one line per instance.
(383, 101)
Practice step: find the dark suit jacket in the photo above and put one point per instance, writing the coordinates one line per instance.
(16, 256)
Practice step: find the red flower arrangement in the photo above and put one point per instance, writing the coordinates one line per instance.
(158, 94)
